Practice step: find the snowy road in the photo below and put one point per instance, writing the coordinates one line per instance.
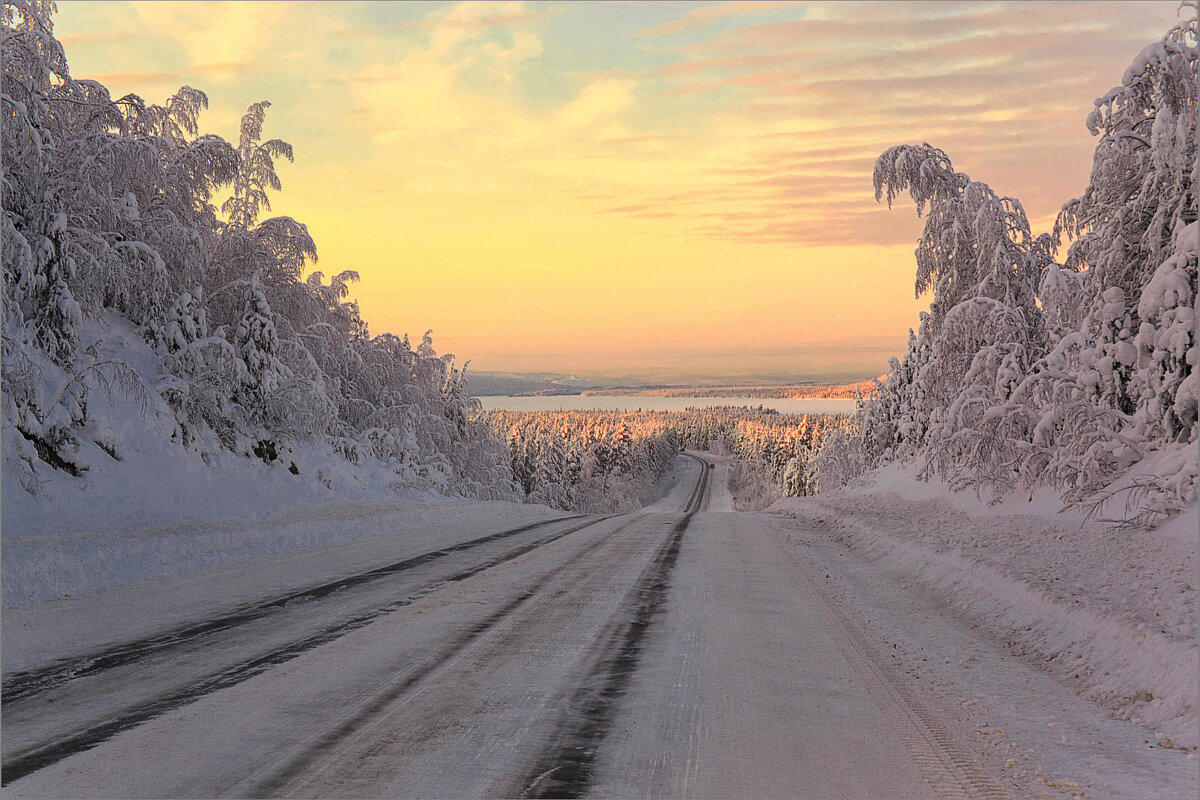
(682, 650)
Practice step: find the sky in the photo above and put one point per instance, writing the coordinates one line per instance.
(651, 190)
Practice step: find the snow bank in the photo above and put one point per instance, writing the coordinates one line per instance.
(67, 594)
(146, 506)
(163, 509)
(50, 566)
(1113, 611)
(135, 472)
(157, 481)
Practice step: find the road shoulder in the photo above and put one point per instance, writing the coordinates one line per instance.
(986, 622)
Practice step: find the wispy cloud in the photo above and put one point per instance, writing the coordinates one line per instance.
(628, 160)
(1003, 87)
(173, 77)
(703, 16)
(85, 38)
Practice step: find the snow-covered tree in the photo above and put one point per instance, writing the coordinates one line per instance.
(257, 344)
(110, 217)
(256, 169)
(984, 329)
(1166, 344)
(1028, 372)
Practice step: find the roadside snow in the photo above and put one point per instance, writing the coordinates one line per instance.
(136, 472)
(70, 590)
(146, 507)
(1112, 611)
(68, 593)
(50, 566)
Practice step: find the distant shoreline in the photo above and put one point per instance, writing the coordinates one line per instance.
(843, 391)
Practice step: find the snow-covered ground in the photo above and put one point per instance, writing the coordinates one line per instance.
(890, 639)
(68, 590)
(1110, 612)
(142, 475)
(448, 596)
(73, 592)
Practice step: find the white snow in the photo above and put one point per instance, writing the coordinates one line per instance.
(221, 743)
(69, 590)
(1112, 611)
(156, 480)
(68, 593)
(759, 676)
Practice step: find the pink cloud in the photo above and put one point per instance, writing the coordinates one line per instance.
(868, 228)
(629, 209)
(431, 23)
(92, 37)
(698, 18)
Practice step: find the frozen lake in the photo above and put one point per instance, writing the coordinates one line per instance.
(786, 405)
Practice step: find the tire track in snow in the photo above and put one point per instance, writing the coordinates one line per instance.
(566, 769)
(370, 714)
(947, 767)
(42, 755)
(28, 683)
(308, 760)
(699, 492)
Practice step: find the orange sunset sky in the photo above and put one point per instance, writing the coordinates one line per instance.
(665, 190)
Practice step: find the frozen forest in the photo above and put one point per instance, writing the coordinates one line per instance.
(150, 295)
(132, 299)
(256, 547)
(587, 461)
(139, 304)
(1030, 371)
(606, 462)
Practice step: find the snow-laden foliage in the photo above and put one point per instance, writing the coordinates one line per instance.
(110, 214)
(771, 448)
(1030, 372)
(587, 461)
(610, 461)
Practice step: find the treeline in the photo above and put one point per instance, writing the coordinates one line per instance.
(1028, 371)
(611, 461)
(587, 460)
(111, 219)
(781, 447)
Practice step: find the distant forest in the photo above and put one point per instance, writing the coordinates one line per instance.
(612, 461)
